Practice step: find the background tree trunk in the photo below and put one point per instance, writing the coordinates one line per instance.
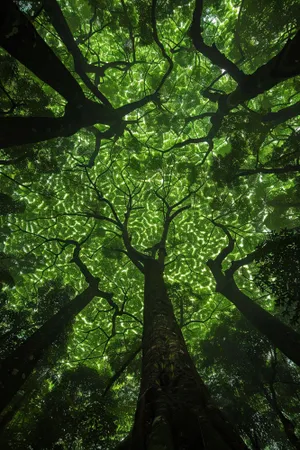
(282, 336)
(288, 426)
(16, 368)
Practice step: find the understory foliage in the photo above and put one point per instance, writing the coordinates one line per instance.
(278, 262)
(136, 130)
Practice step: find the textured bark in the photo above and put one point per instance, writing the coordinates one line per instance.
(282, 336)
(174, 409)
(16, 368)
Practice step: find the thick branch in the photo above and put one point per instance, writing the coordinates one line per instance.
(19, 38)
(283, 115)
(29, 130)
(130, 107)
(282, 336)
(160, 246)
(63, 30)
(235, 265)
(136, 257)
(284, 65)
(212, 53)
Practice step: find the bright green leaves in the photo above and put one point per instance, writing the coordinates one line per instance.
(224, 149)
(142, 166)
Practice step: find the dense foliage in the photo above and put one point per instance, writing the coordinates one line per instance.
(279, 270)
(166, 128)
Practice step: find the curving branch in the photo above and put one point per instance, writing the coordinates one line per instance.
(218, 261)
(284, 65)
(281, 335)
(136, 257)
(171, 212)
(160, 45)
(283, 114)
(61, 26)
(212, 53)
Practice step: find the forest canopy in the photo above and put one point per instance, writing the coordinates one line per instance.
(149, 163)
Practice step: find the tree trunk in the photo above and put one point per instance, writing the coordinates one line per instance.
(17, 367)
(19, 38)
(32, 385)
(287, 424)
(174, 409)
(282, 336)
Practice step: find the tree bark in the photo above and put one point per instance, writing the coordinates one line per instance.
(174, 409)
(17, 367)
(282, 336)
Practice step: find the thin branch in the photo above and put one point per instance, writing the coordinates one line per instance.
(160, 45)
(122, 369)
